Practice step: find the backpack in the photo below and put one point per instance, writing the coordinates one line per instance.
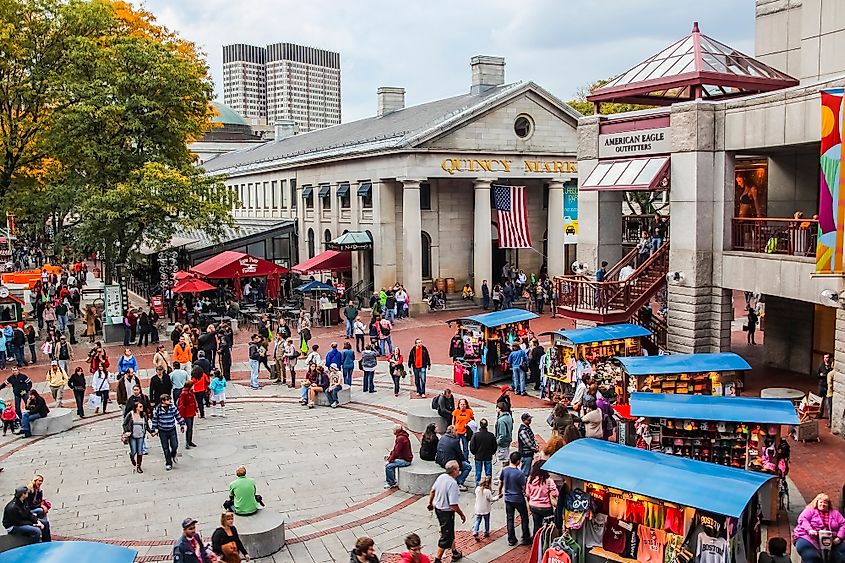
(435, 402)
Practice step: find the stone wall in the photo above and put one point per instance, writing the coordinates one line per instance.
(699, 319)
(788, 334)
(837, 417)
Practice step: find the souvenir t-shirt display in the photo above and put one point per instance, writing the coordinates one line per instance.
(616, 507)
(594, 531)
(614, 536)
(672, 547)
(651, 545)
(601, 499)
(673, 520)
(632, 540)
(711, 550)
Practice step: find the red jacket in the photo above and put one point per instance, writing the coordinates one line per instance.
(201, 383)
(187, 405)
(401, 448)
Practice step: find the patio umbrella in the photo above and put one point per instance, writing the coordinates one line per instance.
(192, 285)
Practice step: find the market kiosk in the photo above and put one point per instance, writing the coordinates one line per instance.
(742, 432)
(651, 507)
(686, 374)
(574, 353)
(480, 347)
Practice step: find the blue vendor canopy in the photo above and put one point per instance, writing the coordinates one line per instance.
(499, 318)
(683, 363)
(600, 333)
(713, 407)
(698, 484)
(314, 286)
(69, 552)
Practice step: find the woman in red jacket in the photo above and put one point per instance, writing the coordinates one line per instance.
(187, 406)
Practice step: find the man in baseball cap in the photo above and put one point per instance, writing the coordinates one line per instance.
(189, 544)
(527, 443)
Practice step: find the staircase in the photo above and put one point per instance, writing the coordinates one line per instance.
(613, 301)
(659, 329)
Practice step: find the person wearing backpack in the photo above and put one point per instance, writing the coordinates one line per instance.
(390, 308)
(444, 404)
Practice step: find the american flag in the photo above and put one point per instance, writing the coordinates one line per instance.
(509, 201)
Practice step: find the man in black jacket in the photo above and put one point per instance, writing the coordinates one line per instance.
(18, 344)
(483, 446)
(207, 342)
(446, 405)
(225, 340)
(19, 520)
(449, 449)
(21, 385)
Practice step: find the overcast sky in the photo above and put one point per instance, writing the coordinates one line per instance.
(425, 46)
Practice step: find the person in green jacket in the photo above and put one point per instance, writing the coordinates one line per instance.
(243, 499)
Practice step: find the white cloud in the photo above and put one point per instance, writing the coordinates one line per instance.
(425, 47)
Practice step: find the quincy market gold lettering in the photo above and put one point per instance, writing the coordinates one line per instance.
(634, 143)
(455, 165)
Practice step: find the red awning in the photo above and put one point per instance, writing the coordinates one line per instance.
(231, 264)
(649, 173)
(328, 261)
(192, 285)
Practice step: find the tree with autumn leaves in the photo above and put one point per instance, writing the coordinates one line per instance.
(97, 105)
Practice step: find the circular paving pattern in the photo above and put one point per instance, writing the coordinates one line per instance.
(306, 462)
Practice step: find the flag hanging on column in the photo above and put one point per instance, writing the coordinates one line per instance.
(509, 202)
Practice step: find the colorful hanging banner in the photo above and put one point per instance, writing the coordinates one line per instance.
(829, 248)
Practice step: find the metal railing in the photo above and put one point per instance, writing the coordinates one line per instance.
(792, 237)
(585, 294)
(633, 225)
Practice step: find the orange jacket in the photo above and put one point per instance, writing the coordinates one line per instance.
(182, 356)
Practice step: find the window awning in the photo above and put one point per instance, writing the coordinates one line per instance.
(328, 261)
(601, 333)
(354, 240)
(683, 363)
(307, 191)
(325, 191)
(697, 484)
(713, 407)
(650, 173)
(342, 189)
(364, 188)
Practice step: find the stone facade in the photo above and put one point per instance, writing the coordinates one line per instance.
(837, 417)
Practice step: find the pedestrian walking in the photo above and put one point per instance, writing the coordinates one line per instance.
(200, 381)
(358, 329)
(369, 362)
(217, 388)
(135, 428)
(527, 443)
(444, 500)
(483, 445)
(484, 499)
(100, 385)
(178, 377)
(419, 361)
(397, 369)
(518, 360)
(165, 418)
(56, 381)
(77, 385)
(504, 432)
(187, 405)
(21, 384)
(511, 486)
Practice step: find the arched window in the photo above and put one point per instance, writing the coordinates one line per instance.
(426, 255)
(327, 236)
(310, 243)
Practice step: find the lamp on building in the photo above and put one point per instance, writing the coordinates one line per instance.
(832, 298)
(676, 278)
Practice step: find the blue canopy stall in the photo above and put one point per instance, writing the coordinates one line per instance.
(589, 350)
(690, 374)
(69, 552)
(670, 501)
(482, 342)
(328, 313)
(742, 432)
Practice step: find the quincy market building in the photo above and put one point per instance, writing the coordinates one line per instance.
(411, 186)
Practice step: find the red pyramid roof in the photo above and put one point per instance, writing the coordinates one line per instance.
(695, 67)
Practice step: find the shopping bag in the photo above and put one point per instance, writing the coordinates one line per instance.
(94, 401)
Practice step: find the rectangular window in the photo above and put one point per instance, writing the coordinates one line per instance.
(308, 196)
(250, 195)
(343, 194)
(425, 196)
(267, 196)
(326, 197)
(281, 194)
(365, 192)
(273, 199)
(293, 198)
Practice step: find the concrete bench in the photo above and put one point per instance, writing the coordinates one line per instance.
(419, 477)
(10, 541)
(58, 420)
(262, 533)
(420, 415)
(343, 397)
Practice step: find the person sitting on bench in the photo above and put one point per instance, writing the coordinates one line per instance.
(242, 498)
